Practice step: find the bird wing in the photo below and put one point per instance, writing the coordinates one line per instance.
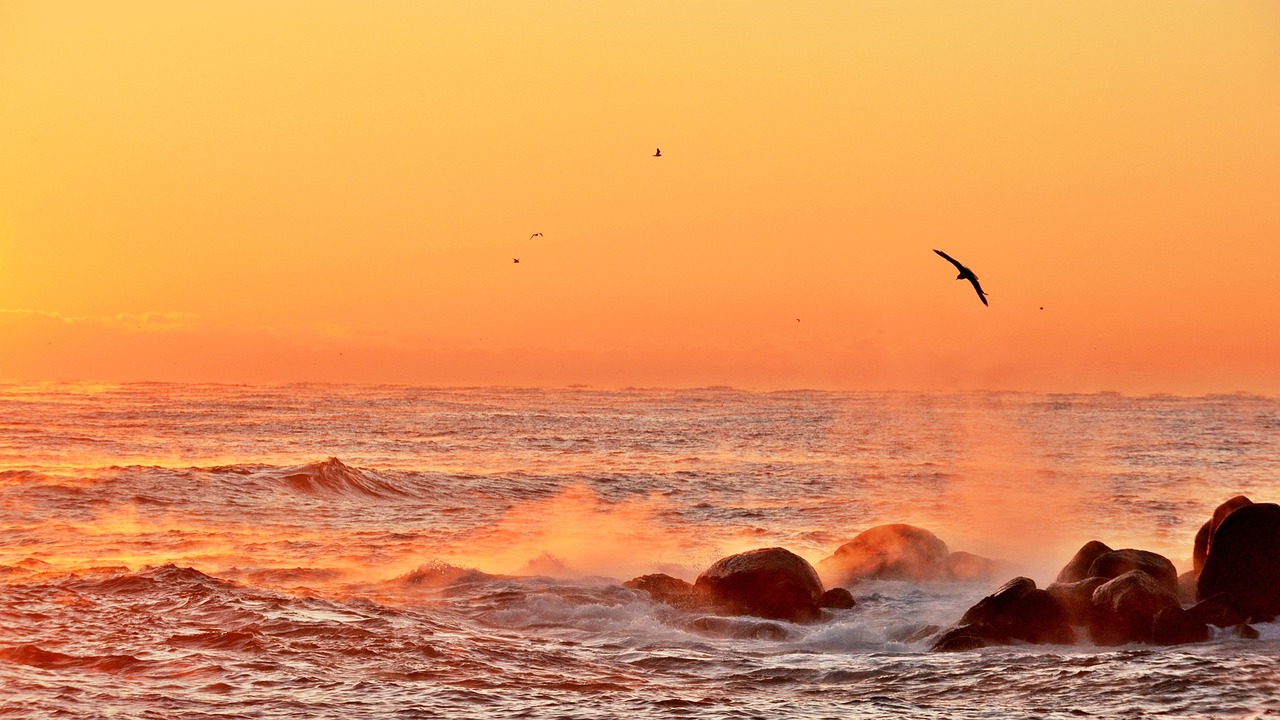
(978, 288)
(952, 260)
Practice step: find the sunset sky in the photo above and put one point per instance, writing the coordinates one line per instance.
(335, 191)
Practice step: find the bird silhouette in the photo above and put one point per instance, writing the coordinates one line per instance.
(658, 152)
(535, 235)
(966, 274)
(515, 260)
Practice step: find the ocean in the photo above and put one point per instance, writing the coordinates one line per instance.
(352, 552)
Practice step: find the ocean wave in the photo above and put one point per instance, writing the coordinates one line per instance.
(333, 477)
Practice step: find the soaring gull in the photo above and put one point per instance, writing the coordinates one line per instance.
(965, 274)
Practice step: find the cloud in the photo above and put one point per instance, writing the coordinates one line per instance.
(136, 322)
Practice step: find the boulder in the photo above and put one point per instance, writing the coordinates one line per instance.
(1219, 610)
(888, 552)
(1201, 548)
(772, 583)
(1078, 568)
(967, 567)
(667, 590)
(1125, 608)
(1113, 564)
(1076, 598)
(837, 599)
(1175, 626)
(1243, 560)
(1016, 611)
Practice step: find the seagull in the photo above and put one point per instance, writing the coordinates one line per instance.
(515, 260)
(535, 235)
(657, 153)
(965, 274)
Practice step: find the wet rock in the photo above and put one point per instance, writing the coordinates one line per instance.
(888, 552)
(668, 590)
(967, 567)
(1020, 611)
(1187, 588)
(1078, 567)
(772, 583)
(965, 638)
(1243, 560)
(1125, 608)
(1246, 631)
(1175, 626)
(837, 599)
(1200, 550)
(1218, 610)
(1118, 562)
(1076, 598)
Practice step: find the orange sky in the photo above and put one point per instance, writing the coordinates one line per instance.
(324, 191)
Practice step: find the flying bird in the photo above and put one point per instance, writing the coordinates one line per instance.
(515, 260)
(535, 235)
(657, 153)
(965, 274)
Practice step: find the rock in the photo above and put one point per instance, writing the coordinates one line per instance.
(888, 552)
(837, 599)
(1187, 588)
(913, 633)
(1218, 610)
(1118, 562)
(1175, 626)
(1246, 631)
(1078, 568)
(1076, 598)
(1020, 611)
(1125, 608)
(1204, 536)
(967, 567)
(1243, 560)
(962, 639)
(667, 590)
(771, 583)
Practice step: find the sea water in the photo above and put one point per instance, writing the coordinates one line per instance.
(317, 551)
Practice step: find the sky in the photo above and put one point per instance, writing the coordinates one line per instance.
(326, 191)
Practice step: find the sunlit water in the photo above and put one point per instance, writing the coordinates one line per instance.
(177, 551)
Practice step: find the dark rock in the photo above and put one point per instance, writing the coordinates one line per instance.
(1244, 560)
(1218, 610)
(1020, 611)
(1200, 550)
(1187, 588)
(1175, 626)
(1246, 631)
(1076, 598)
(967, 567)
(1118, 562)
(965, 638)
(772, 583)
(667, 590)
(888, 552)
(1078, 568)
(837, 599)
(1125, 608)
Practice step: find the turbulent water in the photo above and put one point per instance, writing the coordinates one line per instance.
(180, 551)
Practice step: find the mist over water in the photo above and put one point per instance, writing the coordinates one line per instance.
(336, 551)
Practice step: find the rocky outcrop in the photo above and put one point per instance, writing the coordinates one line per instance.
(967, 567)
(772, 583)
(837, 599)
(1243, 561)
(1017, 611)
(1125, 608)
(1200, 549)
(1078, 568)
(668, 590)
(1113, 564)
(887, 552)
(1076, 598)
